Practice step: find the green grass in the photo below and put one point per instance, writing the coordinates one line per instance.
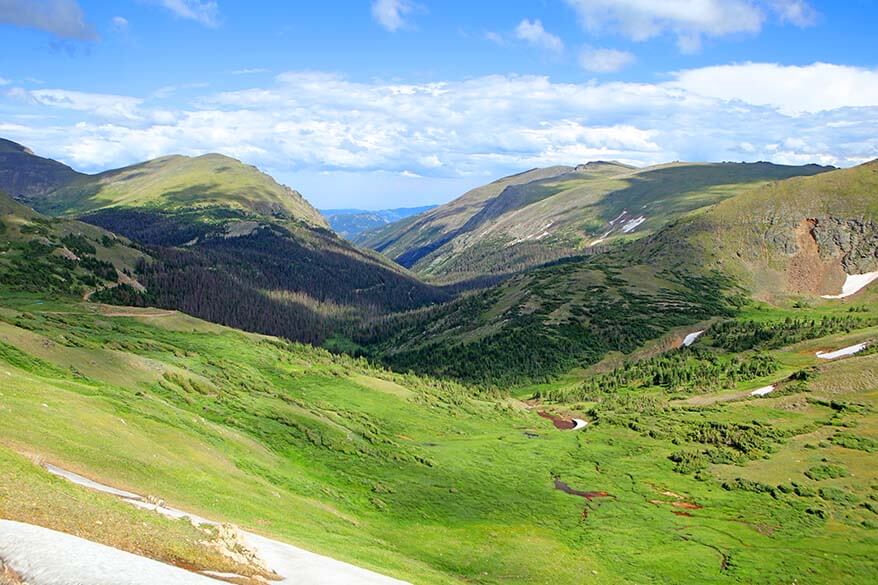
(30, 494)
(179, 182)
(430, 481)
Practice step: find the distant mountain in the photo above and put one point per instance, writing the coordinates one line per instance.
(547, 214)
(231, 245)
(353, 223)
(801, 237)
(24, 174)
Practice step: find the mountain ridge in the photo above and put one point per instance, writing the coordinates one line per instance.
(546, 214)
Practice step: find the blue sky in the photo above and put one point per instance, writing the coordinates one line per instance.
(390, 103)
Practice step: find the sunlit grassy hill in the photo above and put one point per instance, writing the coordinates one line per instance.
(546, 214)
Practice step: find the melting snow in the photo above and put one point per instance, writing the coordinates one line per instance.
(763, 391)
(850, 350)
(294, 564)
(853, 284)
(47, 557)
(690, 339)
(631, 224)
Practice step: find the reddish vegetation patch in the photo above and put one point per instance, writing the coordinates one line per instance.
(560, 422)
(686, 505)
(560, 485)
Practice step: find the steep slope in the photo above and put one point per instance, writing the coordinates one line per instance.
(802, 236)
(233, 246)
(428, 481)
(353, 223)
(60, 255)
(24, 175)
(552, 213)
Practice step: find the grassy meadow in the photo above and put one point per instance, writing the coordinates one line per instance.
(435, 482)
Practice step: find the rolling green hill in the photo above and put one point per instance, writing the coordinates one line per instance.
(179, 183)
(795, 238)
(547, 214)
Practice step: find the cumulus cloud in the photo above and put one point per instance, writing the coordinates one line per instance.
(790, 89)
(311, 122)
(605, 60)
(62, 18)
(688, 20)
(533, 33)
(204, 12)
(391, 13)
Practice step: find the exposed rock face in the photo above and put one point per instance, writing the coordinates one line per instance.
(855, 242)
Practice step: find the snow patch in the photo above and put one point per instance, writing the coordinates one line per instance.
(294, 565)
(632, 224)
(763, 391)
(850, 350)
(853, 284)
(690, 338)
(47, 557)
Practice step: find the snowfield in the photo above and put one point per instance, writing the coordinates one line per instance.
(293, 564)
(46, 557)
(853, 284)
(690, 339)
(765, 390)
(850, 350)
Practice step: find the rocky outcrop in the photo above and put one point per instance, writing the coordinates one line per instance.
(854, 241)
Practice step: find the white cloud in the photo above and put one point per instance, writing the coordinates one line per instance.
(311, 122)
(391, 13)
(62, 18)
(797, 12)
(688, 20)
(533, 33)
(120, 23)
(102, 105)
(204, 12)
(249, 71)
(790, 89)
(4, 81)
(605, 60)
(495, 38)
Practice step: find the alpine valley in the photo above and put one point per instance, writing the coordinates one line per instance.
(576, 374)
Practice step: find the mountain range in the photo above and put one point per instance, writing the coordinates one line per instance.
(546, 214)
(352, 223)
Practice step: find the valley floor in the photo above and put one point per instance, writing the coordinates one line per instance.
(429, 481)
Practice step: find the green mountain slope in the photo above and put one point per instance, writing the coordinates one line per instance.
(801, 236)
(231, 245)
(181, 182)
(427, 481)
(60, 255)
(24, 175)
(547, 214)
